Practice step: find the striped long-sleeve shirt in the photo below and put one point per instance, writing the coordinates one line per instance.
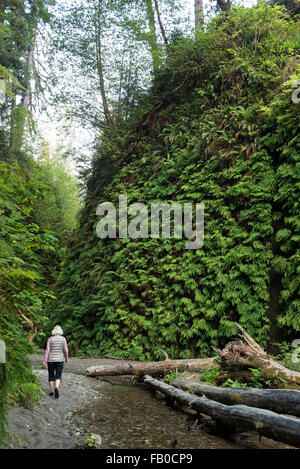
(56, 348)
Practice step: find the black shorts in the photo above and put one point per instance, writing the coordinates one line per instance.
(55, 370)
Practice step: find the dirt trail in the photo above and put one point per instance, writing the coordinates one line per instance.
(49, 424)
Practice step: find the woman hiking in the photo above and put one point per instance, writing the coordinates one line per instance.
(56, 349)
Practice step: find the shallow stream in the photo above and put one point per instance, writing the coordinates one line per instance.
(128, 416)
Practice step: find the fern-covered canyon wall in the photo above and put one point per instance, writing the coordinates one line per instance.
(219, 126)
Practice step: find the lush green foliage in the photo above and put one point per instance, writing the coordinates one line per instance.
(58, 211)
(30, 255)
(31, 249)
(22, 292)
(172, 375)
(38, 205)
(257, 380)
(219, 126)
(210, 374)
(252, 377)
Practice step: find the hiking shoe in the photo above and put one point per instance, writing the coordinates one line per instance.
(56, 393)
(51, 394)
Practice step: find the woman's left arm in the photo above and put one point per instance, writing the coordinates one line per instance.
(66, 350)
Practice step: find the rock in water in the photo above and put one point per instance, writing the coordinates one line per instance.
(96, 439)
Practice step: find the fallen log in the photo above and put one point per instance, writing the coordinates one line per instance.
(264, 422)
(248, 353)
(282, 401)
(151, 368)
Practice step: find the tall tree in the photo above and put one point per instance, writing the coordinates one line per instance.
(99, 59)
(152, 36)
(162, 29)
(19, 21)
(199, 16)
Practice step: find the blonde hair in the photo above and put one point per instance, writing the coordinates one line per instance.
(57, 330)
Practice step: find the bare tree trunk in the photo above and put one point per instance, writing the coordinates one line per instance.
(122, 72)
(152, 35)
(24, 110)
(12, 125)
(199, 15)
(162, 29)
(107, 113)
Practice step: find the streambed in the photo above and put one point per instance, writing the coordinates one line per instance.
(128, 416)
(125, 415)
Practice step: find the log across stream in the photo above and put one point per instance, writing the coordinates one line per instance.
(282, 401)
(225, 406)
(152, 368)
(128, 416)
(257, 410)
(265, 422)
